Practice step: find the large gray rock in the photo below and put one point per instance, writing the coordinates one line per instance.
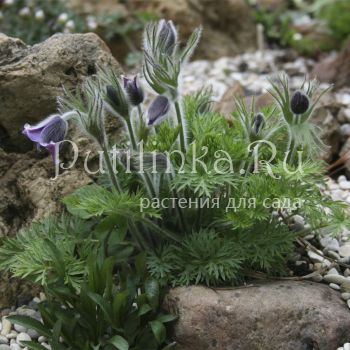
(32, 77)
(278, 315)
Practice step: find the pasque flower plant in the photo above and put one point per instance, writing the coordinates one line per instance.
(167, 211)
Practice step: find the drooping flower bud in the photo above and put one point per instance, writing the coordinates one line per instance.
(133, 90)
(158, 109)
(47, 133)
(117, 100)
(299, 102)
(258, 122)
(167, 36)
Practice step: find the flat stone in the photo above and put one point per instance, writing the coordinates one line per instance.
(344, 185)
(338, 279)
(284, 315)
(6, 326)
(334, 286)
(345, 296)
(23, 337)
(15, 346)
(333, 271)
(344, 250)
(317, 258)
(330, 243)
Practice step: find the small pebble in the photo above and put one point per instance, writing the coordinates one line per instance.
(333, 271)
(42, 339)
(20, 328)
(344, 185)
(338, 279)
(6, 326)
(344, 250)
(334, 286)
(15, 346)
(345, 296)
(315, 257)
(23, 337)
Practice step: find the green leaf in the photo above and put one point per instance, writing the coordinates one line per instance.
(102, 303)
(119, 342)
(166, 318)
(159, 331)
(33, 345)
(152, 292)
(30, 323)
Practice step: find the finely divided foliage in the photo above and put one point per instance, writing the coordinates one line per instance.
(103, 262)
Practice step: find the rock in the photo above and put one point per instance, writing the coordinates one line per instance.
(330, 129)
(3, 339)
(333, 271)
(31, 78)
(344, 185)
(15, 346)
(338, 279)
(6, 326)
(278, 315)
(317, 258)
(335, 68)
(344, 250)
(345, 296)
(227, 103)
(334, 286)
(344, 115)
(19, 328)
(4, 347)
(346, 346)
(229, 28)
(344, 153)
(23, 337)
(330, 243)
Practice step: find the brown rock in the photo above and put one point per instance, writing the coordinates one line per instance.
(330, 131)
(32, 77)
(28, 192)
(269, 316)
(229, 26)
(335, 69)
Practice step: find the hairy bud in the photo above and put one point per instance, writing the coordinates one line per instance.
(158, 109)
(133, 90)
(167, 36)
(258, 123)
(299, 103)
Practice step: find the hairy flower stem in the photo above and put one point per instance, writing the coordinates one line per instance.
(111, 172)
(134, 231)
(181, 123)
(145, 177)
(131, 133)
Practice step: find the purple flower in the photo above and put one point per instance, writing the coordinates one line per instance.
(158, 109)
(133, 90)
(299, 102)
(48, 133)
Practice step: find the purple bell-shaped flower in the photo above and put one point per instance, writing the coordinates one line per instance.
(48, 133)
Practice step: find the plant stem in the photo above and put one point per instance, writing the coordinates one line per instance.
(181, 123)
(134, 231)
(145, 176)
(108, 161)
(131, 133)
